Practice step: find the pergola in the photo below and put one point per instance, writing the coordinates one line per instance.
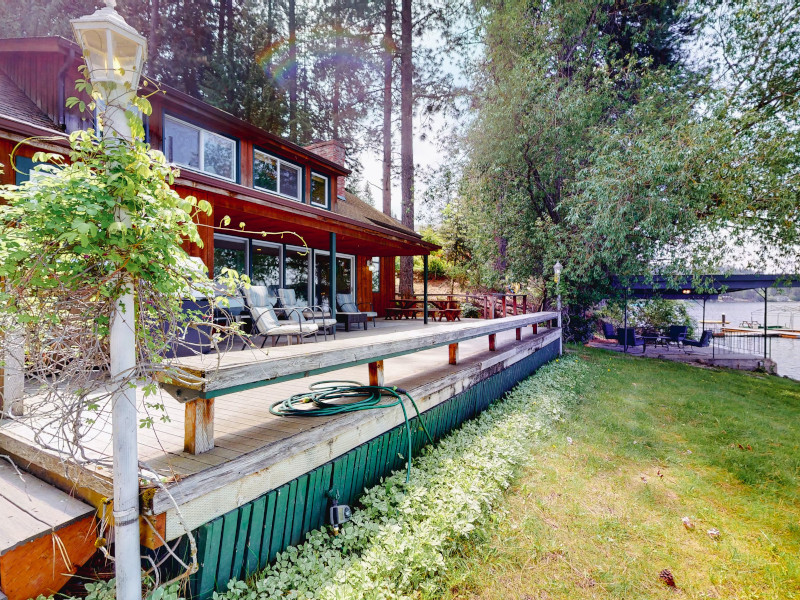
(700, 287)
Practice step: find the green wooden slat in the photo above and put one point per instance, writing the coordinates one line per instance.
(299, 510)
(347, 482)
(208, 559)
(397, 437)
(290, 506)
(361, 472)
(241, 540)
(230, 527)
(380, 463)
(321, 513)
(252, 560)
(372, 451)
(312, 497)
(279, 523)
(269, 527)
(391, 446)
(339, 477)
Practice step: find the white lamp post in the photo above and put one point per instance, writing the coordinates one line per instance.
(114, 54)
(557, 268)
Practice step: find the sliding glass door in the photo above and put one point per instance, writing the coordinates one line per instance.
(322, 274)
(296, 276)
(266, 263)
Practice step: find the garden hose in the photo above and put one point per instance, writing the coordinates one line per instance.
(326, 398)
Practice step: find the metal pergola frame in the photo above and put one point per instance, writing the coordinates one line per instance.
(700, 287)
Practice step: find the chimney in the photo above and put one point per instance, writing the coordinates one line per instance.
(332, 150)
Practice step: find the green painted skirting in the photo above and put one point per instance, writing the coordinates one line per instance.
(245, 540)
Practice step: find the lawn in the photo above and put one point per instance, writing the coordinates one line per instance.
(599, 512)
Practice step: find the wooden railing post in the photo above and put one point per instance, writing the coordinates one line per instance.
(535, 327)
(519, 333)
(198, 426)
(376, 373)
(492, 342)
(514, 299)
(525, 304)
(505, 313)
(453, 351)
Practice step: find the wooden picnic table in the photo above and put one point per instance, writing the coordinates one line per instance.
(409, 308)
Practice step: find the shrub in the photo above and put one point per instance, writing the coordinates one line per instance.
(396, 545)
(470, 311)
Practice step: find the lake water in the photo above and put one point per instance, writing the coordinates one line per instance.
(785, 352)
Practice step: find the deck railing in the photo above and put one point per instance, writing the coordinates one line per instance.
(490, 305)
(741, 343)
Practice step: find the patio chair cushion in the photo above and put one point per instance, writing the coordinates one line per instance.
(258, 295)
(264, 318)
(288, 297)
(348, 307)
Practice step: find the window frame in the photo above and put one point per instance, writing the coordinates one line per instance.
(201, 150)
(327, 204)
(237, 239)
(259, 243)
(301, 179)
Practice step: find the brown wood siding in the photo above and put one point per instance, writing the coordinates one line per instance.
(384, 297)
(363, 280)
(8, 175)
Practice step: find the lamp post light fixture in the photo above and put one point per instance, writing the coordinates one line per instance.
(557, 268)
(114, 54)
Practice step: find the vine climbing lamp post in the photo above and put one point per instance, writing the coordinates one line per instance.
(114, 53)
(557, 268)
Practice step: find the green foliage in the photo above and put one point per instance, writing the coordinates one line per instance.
(88, 225)
(397, 545)
(656, 313)
(470, 311)
(107, 590)
(599, 144)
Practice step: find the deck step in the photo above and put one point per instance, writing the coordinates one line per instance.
(45, 535)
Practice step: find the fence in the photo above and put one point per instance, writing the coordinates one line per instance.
(741, 343)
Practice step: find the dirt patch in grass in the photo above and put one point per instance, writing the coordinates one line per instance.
(600, 513)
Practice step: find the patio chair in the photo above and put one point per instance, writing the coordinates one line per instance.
(347, 304)
(266, 323)
(677, 334)
(703, 342)
(628, 336)
(608, 331)
(306, 314)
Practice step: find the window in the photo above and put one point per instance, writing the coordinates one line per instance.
(275, 175)
(319, 190)
(190, 146)
(322, 273)
(266, 264)
(297, 260)
(375, 267)
(230, 252)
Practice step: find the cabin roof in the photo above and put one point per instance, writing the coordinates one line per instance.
(15, 104)
(355, 208)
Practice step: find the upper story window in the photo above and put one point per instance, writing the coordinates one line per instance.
(276, 175)
(190, 146)
(319, 190)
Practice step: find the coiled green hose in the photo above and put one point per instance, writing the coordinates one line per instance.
(332, 397)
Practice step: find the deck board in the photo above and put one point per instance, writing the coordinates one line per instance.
(30, 508)
(246, 432)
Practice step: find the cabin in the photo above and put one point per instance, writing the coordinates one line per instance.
(245, 482)
(269, 184)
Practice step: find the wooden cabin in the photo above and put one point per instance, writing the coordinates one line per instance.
(245, 173)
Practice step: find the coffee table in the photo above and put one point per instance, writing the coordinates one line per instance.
(348, 319)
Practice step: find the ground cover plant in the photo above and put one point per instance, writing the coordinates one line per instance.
(399, 542)
(600, 511)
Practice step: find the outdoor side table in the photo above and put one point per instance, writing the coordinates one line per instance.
(348, 319)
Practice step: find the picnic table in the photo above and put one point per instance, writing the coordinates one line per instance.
(409, 308)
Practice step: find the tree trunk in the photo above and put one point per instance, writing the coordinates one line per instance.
(152, 42)
(337, 77)
(293, 70)
(388, 53)
(406, 141)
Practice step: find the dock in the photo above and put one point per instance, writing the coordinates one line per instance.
(224, 459)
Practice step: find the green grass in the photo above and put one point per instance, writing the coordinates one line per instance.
(652, 442)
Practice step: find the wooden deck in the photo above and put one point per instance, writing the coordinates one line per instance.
(254, 451)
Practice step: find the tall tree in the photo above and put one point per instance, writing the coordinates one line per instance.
(406, 139)
(388, 101)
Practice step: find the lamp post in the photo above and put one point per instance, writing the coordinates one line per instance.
(114, 53)
(557, 268)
